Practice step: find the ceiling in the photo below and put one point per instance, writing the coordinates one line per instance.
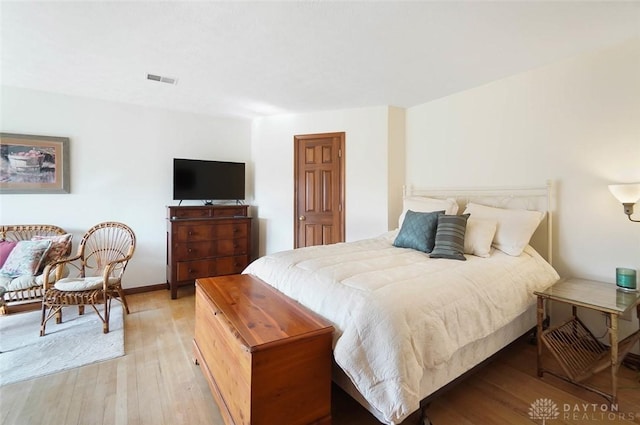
(252, 59)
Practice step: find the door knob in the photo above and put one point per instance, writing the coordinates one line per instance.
(302, 218)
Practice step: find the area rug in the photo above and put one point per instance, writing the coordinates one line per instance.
(77, 341)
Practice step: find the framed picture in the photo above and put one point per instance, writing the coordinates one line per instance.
(33, 164)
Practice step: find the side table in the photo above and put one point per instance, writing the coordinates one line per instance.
(578, 352)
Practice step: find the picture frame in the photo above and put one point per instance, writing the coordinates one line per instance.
(33, 164)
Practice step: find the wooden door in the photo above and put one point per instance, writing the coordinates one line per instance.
(319, 189)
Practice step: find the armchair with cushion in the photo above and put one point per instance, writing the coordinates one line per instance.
(21, 269)
(103, 255)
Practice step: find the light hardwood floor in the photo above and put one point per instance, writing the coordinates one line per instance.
(156, 383)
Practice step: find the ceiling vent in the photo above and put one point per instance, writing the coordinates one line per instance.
(159, 78)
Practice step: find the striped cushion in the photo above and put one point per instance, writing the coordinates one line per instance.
(450, 237)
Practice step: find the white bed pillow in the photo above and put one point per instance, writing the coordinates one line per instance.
(425, 204)
(479, 236)
(514, 227)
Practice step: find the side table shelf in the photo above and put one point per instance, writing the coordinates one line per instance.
(578, 351)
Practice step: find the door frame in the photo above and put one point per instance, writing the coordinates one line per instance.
(342, 193)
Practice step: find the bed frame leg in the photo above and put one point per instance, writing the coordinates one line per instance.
(424, 419)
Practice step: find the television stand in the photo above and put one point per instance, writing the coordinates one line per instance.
(206, 240)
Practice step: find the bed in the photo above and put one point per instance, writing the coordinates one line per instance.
(408, 324)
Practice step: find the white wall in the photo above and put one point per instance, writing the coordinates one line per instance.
(121, 166)
(396, 160)
(366, 169)
(576, 122)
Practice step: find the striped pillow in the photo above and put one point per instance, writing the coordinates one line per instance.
(450, 237)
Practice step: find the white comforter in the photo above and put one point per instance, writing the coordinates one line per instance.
(397, 312)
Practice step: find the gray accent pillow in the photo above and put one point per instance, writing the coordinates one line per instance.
(418, 231)
(450, 237)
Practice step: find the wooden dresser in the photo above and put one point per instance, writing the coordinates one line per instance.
(267, 358)
(209, 240)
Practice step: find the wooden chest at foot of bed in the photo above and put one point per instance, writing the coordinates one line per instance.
(267, 358)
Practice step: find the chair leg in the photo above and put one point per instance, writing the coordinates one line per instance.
(107, 308)
(47, 313)
(80, 310)
(58, 316)
(43, 322)
(123, 299)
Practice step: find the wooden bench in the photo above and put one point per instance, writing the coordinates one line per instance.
(267, 358)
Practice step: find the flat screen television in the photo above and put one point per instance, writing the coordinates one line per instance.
(195, 179)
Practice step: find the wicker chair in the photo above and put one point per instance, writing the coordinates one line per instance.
(102, 258)
(32, 291)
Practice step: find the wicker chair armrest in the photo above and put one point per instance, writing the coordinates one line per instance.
(59, 265)
(65, 260)
(109, 267)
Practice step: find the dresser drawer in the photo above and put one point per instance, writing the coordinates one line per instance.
(194, 232)
(195, 269)
(231, 265)
(230, 212)
(207, 211)
(237, 229)
(206, 249)
(186, 212)
(206, 232)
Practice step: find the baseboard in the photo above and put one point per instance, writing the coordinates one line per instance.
(148, 288)
(31, 305)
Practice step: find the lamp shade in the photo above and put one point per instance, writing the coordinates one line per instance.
(626, 193)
